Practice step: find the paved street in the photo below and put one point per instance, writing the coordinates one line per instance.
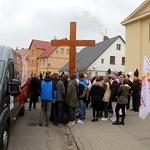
(27, 135)
(101, 135)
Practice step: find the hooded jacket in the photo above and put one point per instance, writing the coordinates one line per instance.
(97, 92)
(60, 91)
(123, 92)
(47, 90)
(71, 96)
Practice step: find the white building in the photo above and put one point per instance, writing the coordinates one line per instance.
(110, 53)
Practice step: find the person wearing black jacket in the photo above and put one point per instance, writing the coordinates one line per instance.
(135, 91)
(97, 93)
(34, 91)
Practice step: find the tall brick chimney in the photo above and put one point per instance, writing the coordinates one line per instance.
(105, 38)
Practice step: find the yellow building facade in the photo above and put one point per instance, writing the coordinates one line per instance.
(43, 57)
(137, 30)
(55, 61)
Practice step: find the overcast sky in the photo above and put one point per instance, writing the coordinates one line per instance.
(24, 20)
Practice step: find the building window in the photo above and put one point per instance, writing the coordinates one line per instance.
(43, 73)
(112, 59)
(102, 61)
(68, 51)
(56, 51)
(62, 50)
(32, 52)
(32, 62)
(118, 47)
(43, 62)
(48, 64)
(40, 63)
(123, 60)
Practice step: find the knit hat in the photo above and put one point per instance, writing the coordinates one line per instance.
(119, 73)
(136, 73)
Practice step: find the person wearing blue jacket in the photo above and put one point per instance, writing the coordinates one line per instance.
(82, 98)
(48, 96)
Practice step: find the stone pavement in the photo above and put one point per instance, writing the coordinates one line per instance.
(102, 135)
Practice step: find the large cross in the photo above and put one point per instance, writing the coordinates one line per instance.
(72, 43)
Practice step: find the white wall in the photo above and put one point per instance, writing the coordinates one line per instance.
(111, 51)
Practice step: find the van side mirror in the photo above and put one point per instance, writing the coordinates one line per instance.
(14, 87)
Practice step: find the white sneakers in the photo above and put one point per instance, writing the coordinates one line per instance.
(104, 119)
(113, 119)
(79, 121)
(71, 123)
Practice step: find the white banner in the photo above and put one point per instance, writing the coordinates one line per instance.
(145, 91)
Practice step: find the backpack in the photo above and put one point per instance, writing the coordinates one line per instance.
(81, 91)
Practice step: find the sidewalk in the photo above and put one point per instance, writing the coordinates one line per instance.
(102, 135)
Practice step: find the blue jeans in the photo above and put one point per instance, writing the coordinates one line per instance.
(59, 111)
(54, 113)
(82, 109)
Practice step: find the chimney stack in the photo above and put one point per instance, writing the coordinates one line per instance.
(105, 38)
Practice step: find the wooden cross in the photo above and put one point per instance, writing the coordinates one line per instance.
(72, 43)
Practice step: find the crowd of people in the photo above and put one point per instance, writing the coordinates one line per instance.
(65, 98)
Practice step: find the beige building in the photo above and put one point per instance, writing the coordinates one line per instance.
(137, 26)
(42, 57)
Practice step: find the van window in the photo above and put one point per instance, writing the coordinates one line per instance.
(1, 69)
(20, 67)
(10, 71)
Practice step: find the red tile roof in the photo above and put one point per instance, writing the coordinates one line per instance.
(49, 50)
(40, 44)
(45, 45)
